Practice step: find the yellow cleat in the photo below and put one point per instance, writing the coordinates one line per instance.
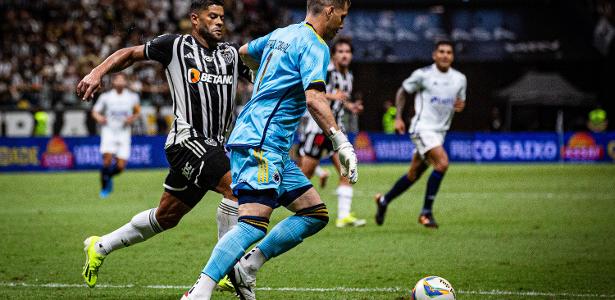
(349, 221)
(93, 261)
(225, 285)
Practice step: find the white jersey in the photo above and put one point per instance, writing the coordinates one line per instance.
(336, 81)
(116, 108)
(436, 93)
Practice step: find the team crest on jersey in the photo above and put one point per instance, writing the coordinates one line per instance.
(227, 55)
(196, 76)
(276, 177)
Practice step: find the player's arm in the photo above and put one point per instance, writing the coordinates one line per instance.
(97, 111)
(100, 119)
(460, 102)
(136, 112)
(119, 60)
(411, 85)
(247, 59)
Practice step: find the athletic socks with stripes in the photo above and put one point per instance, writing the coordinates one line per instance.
(226, 216)
(140, 228)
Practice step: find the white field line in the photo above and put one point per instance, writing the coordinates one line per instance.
(321, 290)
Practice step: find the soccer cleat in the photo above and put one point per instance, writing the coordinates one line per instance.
(225, 285)
(323, 178)
(349, 221)
(428, 221)
(243, 282)
(103, 194)
(93, 261)
(381, 209)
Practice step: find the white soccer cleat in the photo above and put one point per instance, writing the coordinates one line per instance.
(244, 282)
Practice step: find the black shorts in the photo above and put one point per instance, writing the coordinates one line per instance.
(197, 165)
(315, 145)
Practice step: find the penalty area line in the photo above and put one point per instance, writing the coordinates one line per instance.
(299, 289)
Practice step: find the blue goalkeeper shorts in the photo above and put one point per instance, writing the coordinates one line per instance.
(261, 170)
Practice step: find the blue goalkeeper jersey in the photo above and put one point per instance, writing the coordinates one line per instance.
(292, 60)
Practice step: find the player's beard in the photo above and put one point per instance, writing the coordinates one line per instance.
(208, 36)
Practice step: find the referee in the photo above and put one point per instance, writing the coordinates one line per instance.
(202, 72)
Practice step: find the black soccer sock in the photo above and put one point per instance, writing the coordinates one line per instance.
(105, 176)
(433, 184)
(402, 184)
(114, 170)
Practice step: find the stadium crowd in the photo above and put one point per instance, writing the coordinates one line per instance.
(47, 46)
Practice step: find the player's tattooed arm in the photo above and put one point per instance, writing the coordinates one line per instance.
(319, 108)
(248, 60)
(400, 103)
(119, 60)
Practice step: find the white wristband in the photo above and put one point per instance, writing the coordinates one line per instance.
(337, 137)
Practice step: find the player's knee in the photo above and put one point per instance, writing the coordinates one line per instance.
(441, 166)
(318, 216)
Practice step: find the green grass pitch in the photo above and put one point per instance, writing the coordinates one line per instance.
(506, 232)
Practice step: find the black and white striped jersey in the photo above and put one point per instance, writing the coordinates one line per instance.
(336, 81)
(202, 82)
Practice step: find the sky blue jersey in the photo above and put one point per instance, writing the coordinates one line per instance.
(292, 59)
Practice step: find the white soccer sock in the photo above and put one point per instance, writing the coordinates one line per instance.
(344, 201)
(202, 288)
(142, 227)
(226, 216)
(253, 260)
(319, 171)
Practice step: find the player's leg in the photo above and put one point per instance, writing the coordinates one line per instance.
(323, 176)
(228, 209)
(311, 216)
(344, 200)
(308, 165)
(105, 174)
(256, 188)
(417, 168)
(310, 151)
(438, 158)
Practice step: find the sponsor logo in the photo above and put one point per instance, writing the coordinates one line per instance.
(196, 76)
(363, 148)
(19, 156)
(189, 55)
(582, 146)
(57, 155)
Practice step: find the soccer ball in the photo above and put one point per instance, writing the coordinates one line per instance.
(433, 288)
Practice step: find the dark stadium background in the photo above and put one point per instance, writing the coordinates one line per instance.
(40, 36)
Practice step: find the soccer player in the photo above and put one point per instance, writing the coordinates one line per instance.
(314, 145)
(202, 72)
(292, 68)
(440, 92)
(115, 111)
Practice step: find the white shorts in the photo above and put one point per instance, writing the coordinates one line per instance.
(117, 144)
(427, 140)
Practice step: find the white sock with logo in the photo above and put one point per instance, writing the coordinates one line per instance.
(202, 288)
(142, 227)
(226, 216)
(344, 201)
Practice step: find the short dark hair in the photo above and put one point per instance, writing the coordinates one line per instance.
(444, 42)
(315, 7)
(340, 41)
(198, 5)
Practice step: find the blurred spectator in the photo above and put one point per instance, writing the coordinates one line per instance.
(47, 46)
(388, 119)
(495, 120)
(597, 120)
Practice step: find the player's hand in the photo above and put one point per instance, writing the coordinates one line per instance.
(341, 96)
(400, 126)
(88, 86)
(347, 156)
(459, 105)
(101, 120)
